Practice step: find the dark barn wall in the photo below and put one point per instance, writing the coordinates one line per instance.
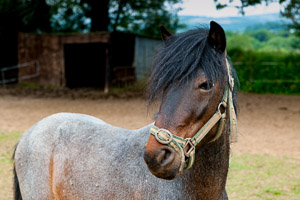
(48, 49)
(85, 64)
(122, 49)
(122, 58)
(8, 51)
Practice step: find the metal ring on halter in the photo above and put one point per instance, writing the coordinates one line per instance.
(166, 131)
(222, 104)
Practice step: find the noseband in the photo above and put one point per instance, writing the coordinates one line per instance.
(186, 147)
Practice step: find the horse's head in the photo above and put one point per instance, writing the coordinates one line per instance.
(190, 78)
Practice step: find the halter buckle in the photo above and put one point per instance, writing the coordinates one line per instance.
(164, 131)
(188, 151)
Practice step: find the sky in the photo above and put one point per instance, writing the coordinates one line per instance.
(208, 8)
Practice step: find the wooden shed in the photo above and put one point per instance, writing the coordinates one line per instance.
(86, 60)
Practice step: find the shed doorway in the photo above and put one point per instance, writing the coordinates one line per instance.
(85, 65)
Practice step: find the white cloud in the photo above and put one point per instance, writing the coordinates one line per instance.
(208, 8)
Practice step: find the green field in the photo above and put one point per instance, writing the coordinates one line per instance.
(250, 176)
(7, 143)
(264, 177)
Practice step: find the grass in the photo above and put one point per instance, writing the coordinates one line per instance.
(251, 177)
(7, 143)
(138, 86)
(263, 177)
(30, 85)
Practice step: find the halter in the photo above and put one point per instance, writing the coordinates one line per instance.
(186, 147)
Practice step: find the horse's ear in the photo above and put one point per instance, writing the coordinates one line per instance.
(216, 37)
(165, 34)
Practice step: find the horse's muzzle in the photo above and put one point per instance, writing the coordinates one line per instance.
(162, 162)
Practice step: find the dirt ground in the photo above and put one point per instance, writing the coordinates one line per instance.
(268, 124)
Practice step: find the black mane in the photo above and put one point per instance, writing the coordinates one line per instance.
(178, 60)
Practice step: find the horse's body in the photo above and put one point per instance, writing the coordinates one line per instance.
(75, 156)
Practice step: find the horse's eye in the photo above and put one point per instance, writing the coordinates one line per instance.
(207, 85)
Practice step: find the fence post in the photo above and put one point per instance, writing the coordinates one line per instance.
(106, 84)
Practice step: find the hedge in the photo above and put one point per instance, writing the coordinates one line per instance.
(267, 72)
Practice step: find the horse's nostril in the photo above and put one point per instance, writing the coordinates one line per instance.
(165, 156)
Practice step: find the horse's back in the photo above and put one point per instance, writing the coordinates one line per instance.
(32, 156)
(66, 149)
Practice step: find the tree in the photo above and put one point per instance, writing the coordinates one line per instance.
(278, 43)
(70, 16)
(261, 35)
(143, 16)
(23, 15)
(291, 8)
(137, 16)
(292, 11)
(242, 41)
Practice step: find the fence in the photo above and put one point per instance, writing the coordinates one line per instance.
(32, 67)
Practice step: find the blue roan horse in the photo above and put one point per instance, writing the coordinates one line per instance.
(183, 155)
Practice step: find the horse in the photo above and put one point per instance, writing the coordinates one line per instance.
(184, 154)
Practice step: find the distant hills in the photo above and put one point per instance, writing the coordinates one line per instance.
(237, 24)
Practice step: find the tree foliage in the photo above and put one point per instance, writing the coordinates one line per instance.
(263, 40)
(242, 41)
(69, 16)
(292, 11)
(136, 16)
(24, 15)
(290, 8)
(140, 16)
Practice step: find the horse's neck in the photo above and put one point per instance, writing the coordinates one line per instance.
(207, 178)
